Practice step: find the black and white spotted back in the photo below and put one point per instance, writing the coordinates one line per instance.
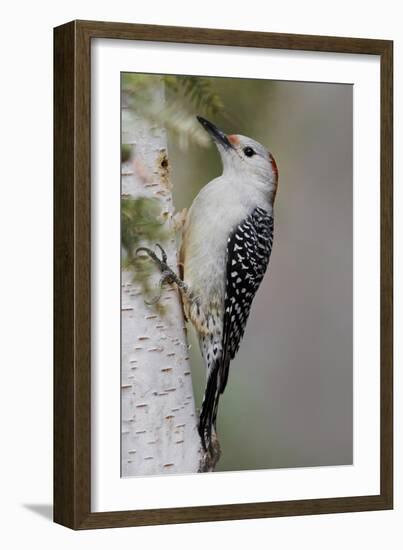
(248, 254)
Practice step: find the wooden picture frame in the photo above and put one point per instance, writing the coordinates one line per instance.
(72, 271)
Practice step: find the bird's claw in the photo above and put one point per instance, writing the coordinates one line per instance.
(167, 276)
(163, 253)
(161, 263)
(154, 300)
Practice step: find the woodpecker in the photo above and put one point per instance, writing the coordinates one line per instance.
(227, 239)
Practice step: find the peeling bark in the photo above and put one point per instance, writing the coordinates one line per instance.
(159, 421)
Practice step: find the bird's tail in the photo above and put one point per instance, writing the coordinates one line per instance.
(208, 412)
(209, 408)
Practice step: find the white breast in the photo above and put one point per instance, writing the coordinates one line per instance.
(216, 211)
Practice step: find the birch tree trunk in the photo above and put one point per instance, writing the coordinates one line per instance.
(159, 422)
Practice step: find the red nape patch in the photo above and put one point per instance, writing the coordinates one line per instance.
(233, 139)
(274, 165)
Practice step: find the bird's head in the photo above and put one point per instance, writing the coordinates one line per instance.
(243, 157)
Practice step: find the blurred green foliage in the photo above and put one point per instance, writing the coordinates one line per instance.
(142, 225)
(200, 91)
(185, 96)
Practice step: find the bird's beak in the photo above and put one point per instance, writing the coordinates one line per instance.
(217, 135)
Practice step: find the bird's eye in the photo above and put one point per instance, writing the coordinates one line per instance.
(249, 152)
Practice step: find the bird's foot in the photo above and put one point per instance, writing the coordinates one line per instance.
(167, 273)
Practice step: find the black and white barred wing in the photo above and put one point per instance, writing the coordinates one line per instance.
(248, 254)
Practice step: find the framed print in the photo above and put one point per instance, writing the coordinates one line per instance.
(223, 275)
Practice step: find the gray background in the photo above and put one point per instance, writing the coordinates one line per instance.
(288, 402)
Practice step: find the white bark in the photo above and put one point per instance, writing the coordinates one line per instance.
(159, 423)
